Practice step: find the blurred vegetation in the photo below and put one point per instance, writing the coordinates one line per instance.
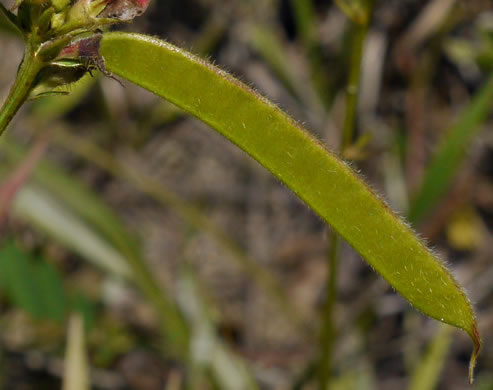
(239, 268)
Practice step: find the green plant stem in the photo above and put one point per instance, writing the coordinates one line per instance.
(353, 85)
(23, 84)
(328, 327)
(172, 323)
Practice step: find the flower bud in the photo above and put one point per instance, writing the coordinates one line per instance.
(97, 13)
(60, 5)
(85, 12)
(65, 35)
(124, 10)
(82, 48)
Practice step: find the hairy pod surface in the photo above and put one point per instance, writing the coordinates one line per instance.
(330, 187)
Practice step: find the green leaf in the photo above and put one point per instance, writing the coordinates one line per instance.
(322, 180)
(32, 284)
(50, 290)
(19, 280)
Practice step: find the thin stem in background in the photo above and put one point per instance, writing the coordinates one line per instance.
(352, 89)
(306, 22)
(327, 339)
(328, 331)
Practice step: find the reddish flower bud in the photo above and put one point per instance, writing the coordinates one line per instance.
(82, 48)
(85, 52)
(124, 10)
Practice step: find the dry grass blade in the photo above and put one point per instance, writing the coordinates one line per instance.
(76, 375)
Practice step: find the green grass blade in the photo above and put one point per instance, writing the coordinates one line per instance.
(450, 155)
(190, 213)
(272, 50)
(75, 216)
(265, 42)
(43, 211)
(228, 369)
(317, 176)
(306, 22)
(307, 25)
(77, 197)
(427, 372)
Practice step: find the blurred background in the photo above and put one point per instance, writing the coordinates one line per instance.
(192, 266)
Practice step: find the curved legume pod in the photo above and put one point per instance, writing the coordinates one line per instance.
(323, 181)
